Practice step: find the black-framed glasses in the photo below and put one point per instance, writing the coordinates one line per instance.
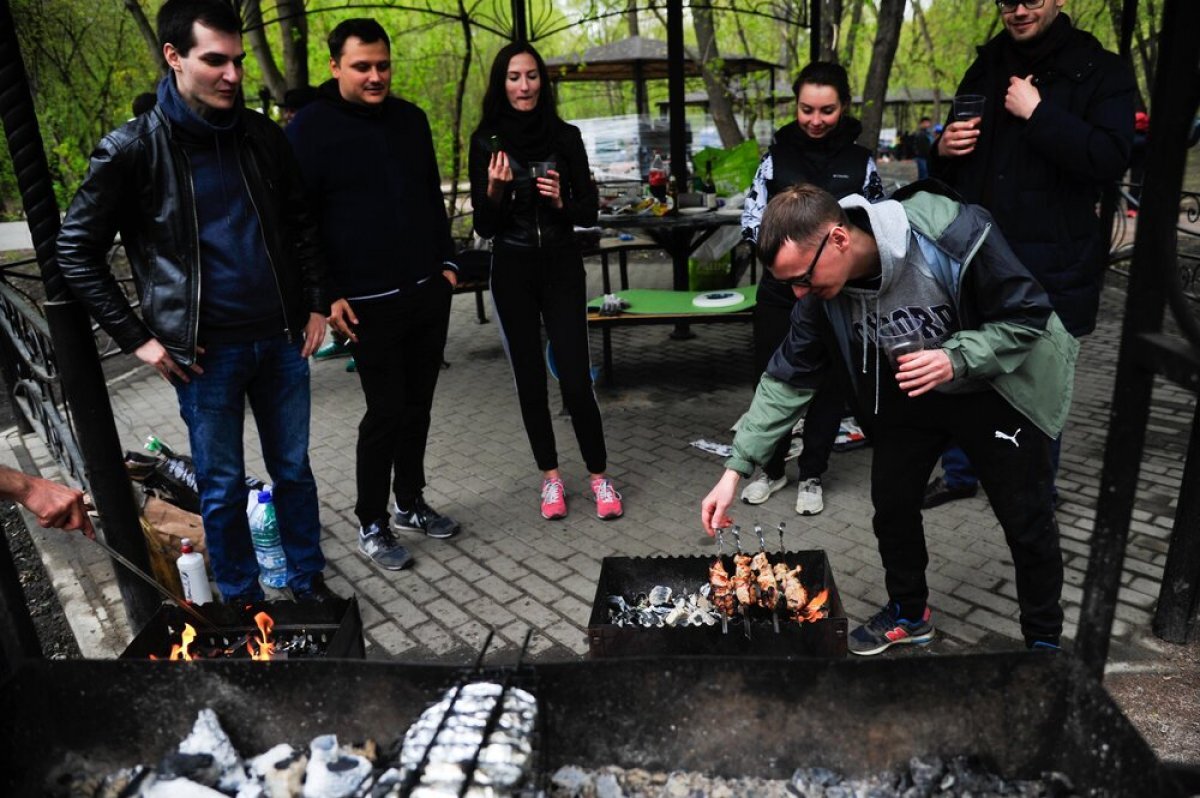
(805, 279)
(1009, 6)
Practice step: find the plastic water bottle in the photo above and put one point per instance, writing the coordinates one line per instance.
(192, 574)
(264, 533)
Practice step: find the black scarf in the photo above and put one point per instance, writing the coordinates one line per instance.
(816, 153)
(1023, 58)
(330, 93)
(527, 135)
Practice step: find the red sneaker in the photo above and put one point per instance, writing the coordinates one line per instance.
(554, 499)
(608, 501)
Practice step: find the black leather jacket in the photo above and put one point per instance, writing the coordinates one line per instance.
(524, 219)
(139, 184)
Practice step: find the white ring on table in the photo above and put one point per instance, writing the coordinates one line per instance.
(718, 299)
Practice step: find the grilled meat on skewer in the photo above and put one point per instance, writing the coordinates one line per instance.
(768, 588)
(722, 591)
(743, 581)
(794, 593)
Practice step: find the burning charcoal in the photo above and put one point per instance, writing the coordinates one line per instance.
(281, 770)
(571, 780)
(200, 768)
(926, 773)
(331, 773)
(178, 788)
(208, 737)
(660, 596)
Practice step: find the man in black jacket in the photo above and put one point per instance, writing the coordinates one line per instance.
(1057, 126)
(371, 170)
(208, 202)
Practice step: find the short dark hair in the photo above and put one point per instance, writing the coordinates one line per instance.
(363, 28)
(144, 102)
(825, 73)
(796, 215)
(495, 100)
(176, 18)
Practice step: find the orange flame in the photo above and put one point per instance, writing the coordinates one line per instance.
(263, 647)
(180, 650)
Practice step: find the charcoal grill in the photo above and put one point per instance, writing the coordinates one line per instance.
(630, 576)
(1021, 713)
(335, 626)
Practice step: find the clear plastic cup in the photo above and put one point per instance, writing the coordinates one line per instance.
(900, 337)
(968, 106)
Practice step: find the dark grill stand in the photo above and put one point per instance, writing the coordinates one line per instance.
(629, 576)
(1022, 714)
(336, 625)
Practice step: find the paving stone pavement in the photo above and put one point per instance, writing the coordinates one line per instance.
(510, 570)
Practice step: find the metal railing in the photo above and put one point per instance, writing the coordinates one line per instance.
(1187, 250)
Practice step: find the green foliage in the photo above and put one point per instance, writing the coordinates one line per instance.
(86, 60)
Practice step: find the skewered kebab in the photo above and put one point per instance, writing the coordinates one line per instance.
(743, 580)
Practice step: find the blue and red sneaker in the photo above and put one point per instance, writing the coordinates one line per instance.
(886, 629)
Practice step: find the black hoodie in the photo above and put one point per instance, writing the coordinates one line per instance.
(373, 177)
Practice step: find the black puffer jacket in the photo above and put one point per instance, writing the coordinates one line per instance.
(524, 219)
(139, 184)
(1041, 178)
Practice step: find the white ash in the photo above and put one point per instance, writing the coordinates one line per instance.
(208, 737)
(332, 773)
(661, 607)
(281, 770)
(928, 777)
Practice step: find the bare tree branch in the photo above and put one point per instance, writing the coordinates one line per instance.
(720, 103)
(148, 34)
(257, 38)
(883, 53)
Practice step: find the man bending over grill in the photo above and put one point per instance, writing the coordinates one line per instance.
(995, 373)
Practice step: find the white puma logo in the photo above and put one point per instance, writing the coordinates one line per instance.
(1010, 438)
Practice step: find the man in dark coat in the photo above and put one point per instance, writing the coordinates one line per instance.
(369, 163)
(1057, 127)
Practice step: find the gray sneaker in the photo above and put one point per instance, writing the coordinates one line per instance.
(809, 500)
(423, 518)
(376, 542)
(762, 489)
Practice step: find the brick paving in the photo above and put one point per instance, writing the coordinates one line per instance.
(510, 570)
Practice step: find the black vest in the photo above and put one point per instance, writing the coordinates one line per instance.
(842, 173)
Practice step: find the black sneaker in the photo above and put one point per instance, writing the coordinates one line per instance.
(318, 592)
(886, 629)
(423, 518)
(376, 542)
(938, 493)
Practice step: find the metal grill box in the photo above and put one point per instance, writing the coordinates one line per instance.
(631, 576)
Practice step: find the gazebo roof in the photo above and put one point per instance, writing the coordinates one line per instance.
(625, 59)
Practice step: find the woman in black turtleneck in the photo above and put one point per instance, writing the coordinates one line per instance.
(817, 148)
(537, 270)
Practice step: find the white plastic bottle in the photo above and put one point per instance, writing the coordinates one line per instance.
(193, 575)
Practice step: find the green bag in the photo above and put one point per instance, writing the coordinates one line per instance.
(732, 170)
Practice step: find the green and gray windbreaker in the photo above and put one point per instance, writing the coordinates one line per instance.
(945, 264)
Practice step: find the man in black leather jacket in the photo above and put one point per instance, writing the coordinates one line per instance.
(1057, 126)
(208, 202)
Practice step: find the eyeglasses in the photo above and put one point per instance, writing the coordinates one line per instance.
(805, 280)
(1009, 6)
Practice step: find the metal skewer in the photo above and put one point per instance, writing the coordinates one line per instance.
(762, 546)
(737, 539)
(782, 524)
(720, 557)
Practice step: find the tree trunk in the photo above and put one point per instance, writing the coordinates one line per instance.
(631, 17)
(831, 23)
(851, 33)
(935, 73)
(252, 25)
(887, 38)
(460, 91)
(293, 25)
(147, 31)
(720, 104)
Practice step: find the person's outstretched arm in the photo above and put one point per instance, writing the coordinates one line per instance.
(53, 504)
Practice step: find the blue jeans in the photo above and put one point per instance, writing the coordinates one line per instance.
(273, 376)
(959, 473)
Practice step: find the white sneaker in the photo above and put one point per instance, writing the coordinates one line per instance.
(808, 497)
(762, 489)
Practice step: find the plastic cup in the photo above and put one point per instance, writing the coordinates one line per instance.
(900, 337)
(968, 106)
(541, 168)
